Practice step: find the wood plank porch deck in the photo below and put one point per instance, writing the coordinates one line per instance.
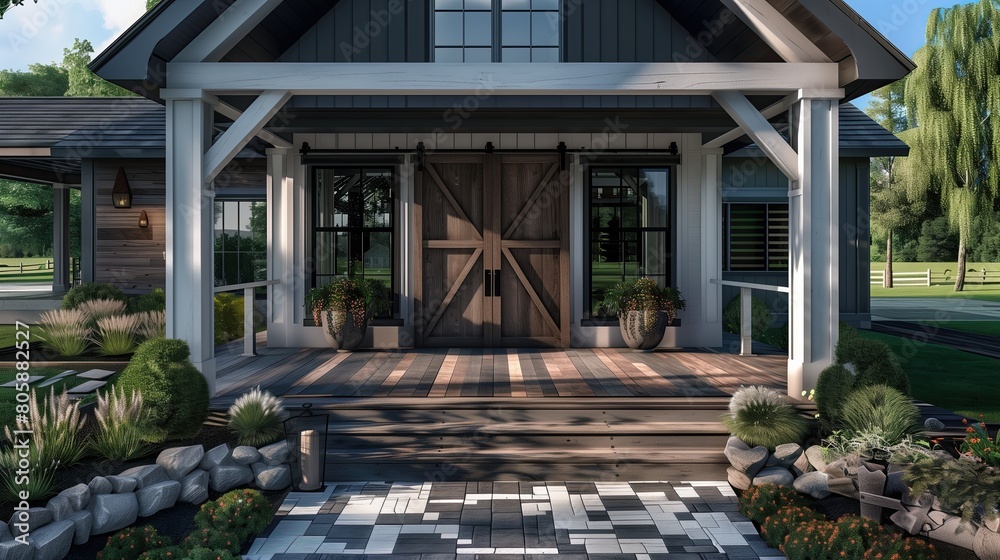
(501, 373)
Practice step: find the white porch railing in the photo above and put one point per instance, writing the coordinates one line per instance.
(249, 333)
(746, 335)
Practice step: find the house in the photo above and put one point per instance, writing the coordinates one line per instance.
(511, 158)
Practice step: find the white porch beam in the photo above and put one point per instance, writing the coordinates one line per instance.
(190, 218)
(629, 78)
(756, 126)
(784, 38)
(233, 113)
(246, 127)
(814, 244)
(768, 112)
(227, 30)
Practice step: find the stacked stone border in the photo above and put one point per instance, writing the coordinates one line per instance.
(875, 487)
(109, 503)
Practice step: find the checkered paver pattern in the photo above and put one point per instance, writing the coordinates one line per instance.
(501, 520)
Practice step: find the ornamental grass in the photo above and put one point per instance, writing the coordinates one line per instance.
(256, 418)
(121, 420)
(116, 334)
(761, 416)
(65, 331)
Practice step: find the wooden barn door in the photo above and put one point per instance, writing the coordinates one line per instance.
(530, 253)
(493, 251)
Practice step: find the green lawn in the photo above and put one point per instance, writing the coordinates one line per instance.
(34, 270)
(952, 379)
(989, 328)
(7, 336)
(943, 276)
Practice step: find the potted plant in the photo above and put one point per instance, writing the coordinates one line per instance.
(644, 310)
(345, 306)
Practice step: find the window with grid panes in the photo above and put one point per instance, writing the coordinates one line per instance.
(496, 30)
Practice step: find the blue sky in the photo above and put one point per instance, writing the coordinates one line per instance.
(38, 32)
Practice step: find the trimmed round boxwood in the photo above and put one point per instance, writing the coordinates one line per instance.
(175, 392)
(89, 292)
(832, 388)
(874, 361)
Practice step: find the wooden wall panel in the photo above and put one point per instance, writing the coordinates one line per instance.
(133, 258)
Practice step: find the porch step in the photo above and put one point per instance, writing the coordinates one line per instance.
(498, 439)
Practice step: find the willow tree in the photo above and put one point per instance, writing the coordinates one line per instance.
(952, 99)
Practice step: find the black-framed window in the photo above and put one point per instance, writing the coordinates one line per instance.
(496, 30)
(353, 221)
(755, 237)
(630, 212)
(240, 242)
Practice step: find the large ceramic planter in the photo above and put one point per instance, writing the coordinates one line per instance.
(342, 331)
(643, 330)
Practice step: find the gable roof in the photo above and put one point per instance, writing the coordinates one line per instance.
(137, 60)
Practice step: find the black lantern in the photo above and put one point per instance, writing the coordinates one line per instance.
(306, 437)
(143, 220)
(121, 194)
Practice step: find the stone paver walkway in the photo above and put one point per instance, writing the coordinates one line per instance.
(505, 520)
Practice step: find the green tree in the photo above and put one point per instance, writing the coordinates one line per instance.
(25, 219)
(952, 99)
(83, 82)
(8, 4)
(151, 3)
(893, 205)
(41, 80)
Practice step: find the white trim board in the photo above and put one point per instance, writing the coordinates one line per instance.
(477, 141)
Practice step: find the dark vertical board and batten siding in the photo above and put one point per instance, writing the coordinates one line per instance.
(593, 31)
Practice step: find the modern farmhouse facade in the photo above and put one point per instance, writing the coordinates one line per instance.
(498, 163)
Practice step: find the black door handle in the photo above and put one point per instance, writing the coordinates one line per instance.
(496, 282)
(488, 283)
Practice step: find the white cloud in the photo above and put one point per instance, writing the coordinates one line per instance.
(118, 16)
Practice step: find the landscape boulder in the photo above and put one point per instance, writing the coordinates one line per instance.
(194, 488)
(743, 458)
(246, 455)
(112, 512)
(83, 521)
(122, 484)
(78, 496)
(272, 478)
(36, 517)
(220, 455)
(774, 475)
(146, 475)
(53, 541)
(16, 550)
(179, 461)
(275, 454)
(99, 485)
(738, 479)
(785, 455)
(815, 484)
(158, 497)
(815, 456)
(60, 507)
(226, 477)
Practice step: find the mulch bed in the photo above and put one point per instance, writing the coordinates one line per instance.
(176, 522)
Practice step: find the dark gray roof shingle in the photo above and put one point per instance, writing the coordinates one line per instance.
(46, 122)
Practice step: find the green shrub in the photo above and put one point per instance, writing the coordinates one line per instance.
(91, 291)
(777, 337)
(965, 485)
(228, 318)
(872, 445)
(153, 301)
(760, 502)
(213, 539)
(832, 388)
(121, 419)
(810, 541)
(882, 410)
(853, 535)
(165, 553)
(761, 416)
(242, 514)
(55, 424)
(874, 361)
(131, 542)
(775, 528)
(256, 418)
(201, 553)
(175, 392)
(65, 331)
(116, 334)
(898, 547)
(760, 317)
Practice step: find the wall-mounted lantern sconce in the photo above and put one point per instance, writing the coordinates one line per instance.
(143, 219)
(421, 156)
(121, 194)
(672, 149)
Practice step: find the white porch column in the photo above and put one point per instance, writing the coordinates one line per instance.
(711, 236)
(60, 238)
(190, 216)
(280, 247)
(88, 222)
(814, 220)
